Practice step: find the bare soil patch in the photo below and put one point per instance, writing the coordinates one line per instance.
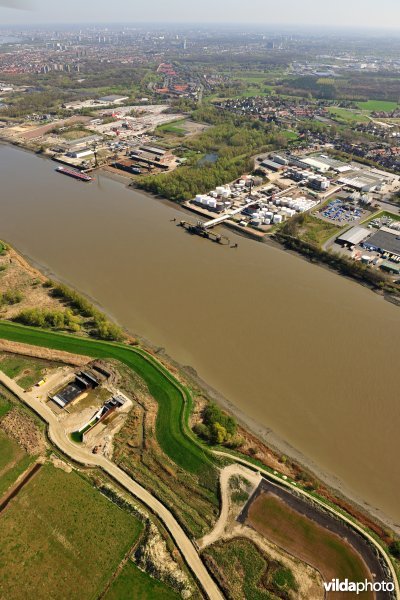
(20, 427)
(44, 353)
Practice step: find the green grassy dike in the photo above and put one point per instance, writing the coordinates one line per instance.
(174, 400)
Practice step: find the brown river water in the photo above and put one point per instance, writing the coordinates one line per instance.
(298, 349)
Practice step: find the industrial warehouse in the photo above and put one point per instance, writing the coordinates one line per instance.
(385, 241)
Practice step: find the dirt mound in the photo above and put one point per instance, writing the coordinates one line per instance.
(45, 353)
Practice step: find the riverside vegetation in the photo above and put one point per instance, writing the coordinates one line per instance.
(234, 139)
(101, 326)
(48, 304)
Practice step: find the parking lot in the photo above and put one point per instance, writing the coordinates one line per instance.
(342, 212)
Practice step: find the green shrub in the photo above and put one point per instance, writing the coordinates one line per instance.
(11, 297)
(394, 549)
(50, 319)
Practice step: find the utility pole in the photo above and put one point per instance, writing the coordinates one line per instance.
(94, 148)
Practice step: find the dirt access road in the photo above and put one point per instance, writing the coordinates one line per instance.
(81, 455)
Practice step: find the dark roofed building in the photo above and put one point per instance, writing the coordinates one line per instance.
(384, 240)
(83, 381)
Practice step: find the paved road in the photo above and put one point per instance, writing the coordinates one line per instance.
(81, 455)
(335, 512)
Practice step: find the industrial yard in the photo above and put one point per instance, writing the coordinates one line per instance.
(292, 190)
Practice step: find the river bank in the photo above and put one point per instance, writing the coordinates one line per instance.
(259, 325)
(275, 446)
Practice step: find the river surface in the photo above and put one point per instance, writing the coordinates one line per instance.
(300, 350)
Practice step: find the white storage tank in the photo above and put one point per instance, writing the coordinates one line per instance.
(278, 219)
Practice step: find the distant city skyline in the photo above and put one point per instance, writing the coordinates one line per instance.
(344, 13)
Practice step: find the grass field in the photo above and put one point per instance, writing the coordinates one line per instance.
(175, 127)
(316, 231)
(9, 452)
(26, 371)
(173, 399)
(378, 105)
(5, 403)
(301, 537)
(247, 573)
(379, 215)
(133, 584)
(75, 134)
(13, 462)
(289, 135)
(348, 115)
(68, 538)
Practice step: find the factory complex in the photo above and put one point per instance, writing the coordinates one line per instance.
(340, 192)
(375, 242)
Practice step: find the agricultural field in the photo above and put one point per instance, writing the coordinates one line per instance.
(378, 105)
(65, 534)
(25, 371)
(134, 584)
(305, 539)
(243, 571)
(13, 460)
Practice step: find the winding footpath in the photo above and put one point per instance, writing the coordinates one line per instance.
(226, 473)
(81, 455)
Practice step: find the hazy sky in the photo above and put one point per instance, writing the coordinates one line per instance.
(353, 13)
